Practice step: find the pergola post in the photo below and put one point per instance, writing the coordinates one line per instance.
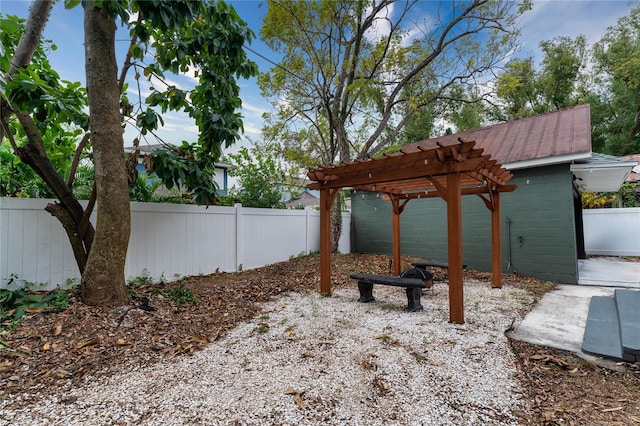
(395, 207)
(454, 236)
(325, 241)
(496, 246)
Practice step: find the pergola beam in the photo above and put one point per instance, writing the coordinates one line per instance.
(384, 175)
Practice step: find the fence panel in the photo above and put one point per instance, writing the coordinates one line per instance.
(167, 241)
(612, 232)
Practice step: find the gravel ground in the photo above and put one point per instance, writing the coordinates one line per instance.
(308, 360)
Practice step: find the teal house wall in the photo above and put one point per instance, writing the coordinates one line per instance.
(537, 224)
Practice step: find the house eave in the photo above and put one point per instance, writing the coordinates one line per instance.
(548, 161)
(601, 177)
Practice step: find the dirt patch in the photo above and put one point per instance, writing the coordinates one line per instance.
(52, 353)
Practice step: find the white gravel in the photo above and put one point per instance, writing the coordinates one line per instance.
(311, 360)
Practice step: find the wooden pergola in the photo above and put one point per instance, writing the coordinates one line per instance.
(414, 172)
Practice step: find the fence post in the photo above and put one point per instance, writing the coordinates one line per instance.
(239, 238)
(306, 231)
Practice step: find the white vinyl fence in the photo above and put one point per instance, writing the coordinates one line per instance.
(612, 232)
(168, 241)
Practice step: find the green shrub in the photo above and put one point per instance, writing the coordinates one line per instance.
(15, 304)
(178, 294)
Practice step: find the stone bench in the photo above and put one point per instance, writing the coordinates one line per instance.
(408, 280)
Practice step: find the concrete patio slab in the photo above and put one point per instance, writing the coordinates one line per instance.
(558, 319)
(609, 272)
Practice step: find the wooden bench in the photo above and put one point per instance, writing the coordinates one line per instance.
(413, 287)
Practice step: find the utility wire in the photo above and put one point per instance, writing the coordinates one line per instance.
(299, 78)
(275, 64)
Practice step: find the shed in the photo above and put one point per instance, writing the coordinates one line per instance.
(552, 163)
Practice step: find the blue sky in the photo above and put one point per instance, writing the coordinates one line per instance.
(546, 20)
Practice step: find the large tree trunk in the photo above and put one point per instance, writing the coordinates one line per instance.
(336, 224)
(103, 281)
(336, 210)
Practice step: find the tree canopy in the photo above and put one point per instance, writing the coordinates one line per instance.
(260, 178)
(570, 73)
(525, 91)
(45, 121)
(616, 99)
(354, 73)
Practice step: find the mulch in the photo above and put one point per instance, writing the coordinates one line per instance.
(50, 353)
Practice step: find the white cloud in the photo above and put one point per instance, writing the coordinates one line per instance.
(381, 25)
(248, 106)
(251, 129)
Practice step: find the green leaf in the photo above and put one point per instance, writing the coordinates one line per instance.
(9, 26)
(70, 4)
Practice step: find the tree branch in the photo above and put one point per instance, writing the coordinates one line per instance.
(76, 159)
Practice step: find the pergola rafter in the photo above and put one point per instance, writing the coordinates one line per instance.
(447, 171)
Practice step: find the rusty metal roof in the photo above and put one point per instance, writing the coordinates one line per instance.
(544, 137)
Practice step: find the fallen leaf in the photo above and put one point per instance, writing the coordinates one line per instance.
(61, 374)
(87, 343)
(297, 397)
(123, 342)
(46, 347)
(33, 310)
(550, 359)
(539, 357)
(57, 330)
(189, 346)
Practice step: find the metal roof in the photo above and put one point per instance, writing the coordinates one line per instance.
(559, 136)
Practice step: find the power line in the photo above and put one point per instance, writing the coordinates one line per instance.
(300, 78)
(275, 64)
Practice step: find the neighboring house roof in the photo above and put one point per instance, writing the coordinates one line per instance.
(298, 194)
(557, 137)
(305, 198)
